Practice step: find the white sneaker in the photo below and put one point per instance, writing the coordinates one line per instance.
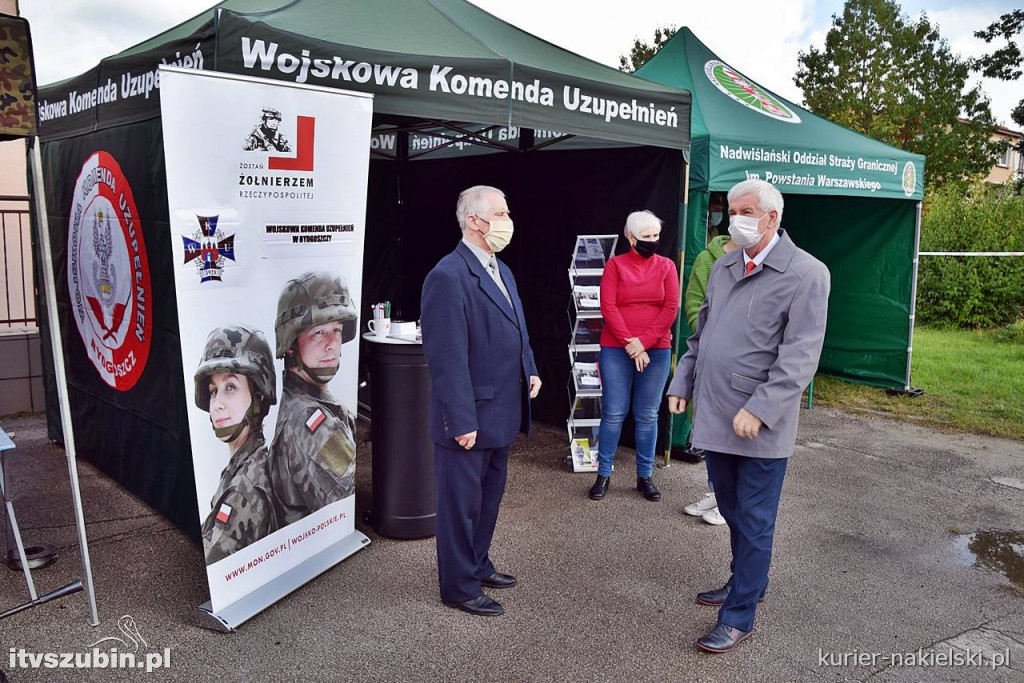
(713, 516)
(706, 503)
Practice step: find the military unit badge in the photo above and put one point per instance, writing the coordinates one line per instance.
(209, 248)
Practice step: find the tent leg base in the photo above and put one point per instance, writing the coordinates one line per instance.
(912, 392)
(39, 556)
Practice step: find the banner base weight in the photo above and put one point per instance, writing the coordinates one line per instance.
(237, 613)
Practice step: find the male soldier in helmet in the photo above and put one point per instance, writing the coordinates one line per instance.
(235, 384)
(265, 136)
(314, 450)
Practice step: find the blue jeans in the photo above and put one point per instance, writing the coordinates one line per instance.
(620, 381)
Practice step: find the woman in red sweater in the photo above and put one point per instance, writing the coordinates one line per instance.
(639, 302)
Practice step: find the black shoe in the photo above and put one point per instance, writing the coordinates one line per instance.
(716, 598)
(599, 488)
(644, 486)
(688, 454)
(482, 606)
(499, 580)
(721, 638)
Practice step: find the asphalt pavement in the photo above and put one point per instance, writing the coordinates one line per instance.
(884, 568)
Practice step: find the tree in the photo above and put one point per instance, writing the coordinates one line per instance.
(897, 81)
(642, 52)
(1005, 63)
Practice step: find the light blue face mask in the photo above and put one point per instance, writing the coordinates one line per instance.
(716, 218)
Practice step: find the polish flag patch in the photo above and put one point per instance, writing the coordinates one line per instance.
(315, 420)
(224, 514)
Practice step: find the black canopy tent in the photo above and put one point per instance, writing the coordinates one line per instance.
(575, 145)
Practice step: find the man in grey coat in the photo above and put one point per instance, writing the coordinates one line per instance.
(759, 336)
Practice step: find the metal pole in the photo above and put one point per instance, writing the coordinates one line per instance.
(667, 455)
(15, 532)
(913, 292)
(35, 160)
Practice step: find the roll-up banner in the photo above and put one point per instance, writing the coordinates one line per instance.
(266, 187)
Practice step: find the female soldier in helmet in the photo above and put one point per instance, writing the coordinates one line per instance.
(235, 385)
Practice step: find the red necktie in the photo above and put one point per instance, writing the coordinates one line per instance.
(750, 267)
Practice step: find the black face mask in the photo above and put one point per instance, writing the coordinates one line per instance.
(647, 249)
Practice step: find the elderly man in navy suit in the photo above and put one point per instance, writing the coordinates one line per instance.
(482, 376)
(759, 335)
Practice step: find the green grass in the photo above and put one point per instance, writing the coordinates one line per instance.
(973, 381)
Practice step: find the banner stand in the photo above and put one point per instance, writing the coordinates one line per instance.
(42, 226)
(237, 613)
(267, 239)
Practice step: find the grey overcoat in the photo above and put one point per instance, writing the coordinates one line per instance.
(757, 346)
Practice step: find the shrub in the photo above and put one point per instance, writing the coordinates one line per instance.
(1011, 334)
(971, 291)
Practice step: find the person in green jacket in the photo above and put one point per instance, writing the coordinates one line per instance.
(707, 507)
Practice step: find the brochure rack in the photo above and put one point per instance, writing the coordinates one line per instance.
(590, 255)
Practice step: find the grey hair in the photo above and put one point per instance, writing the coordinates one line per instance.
(474, 201)
(638, 221)
(768, 197)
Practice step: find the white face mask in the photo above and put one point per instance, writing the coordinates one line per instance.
(743, 230)
(500, 234)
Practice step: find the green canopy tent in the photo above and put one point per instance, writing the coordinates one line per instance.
(461, 98)
(851, 201)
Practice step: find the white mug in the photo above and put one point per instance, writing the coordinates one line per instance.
(380, 327)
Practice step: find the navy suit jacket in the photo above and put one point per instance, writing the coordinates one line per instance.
(478, 353)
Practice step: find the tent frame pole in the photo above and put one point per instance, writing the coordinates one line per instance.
(681, 262)
(57, 346)
(913, 293)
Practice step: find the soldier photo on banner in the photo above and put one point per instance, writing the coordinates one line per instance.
(314, 449)
(235, 383)
(265, 136)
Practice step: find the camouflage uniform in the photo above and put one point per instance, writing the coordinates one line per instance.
(313, 456)
(258, 141)
(246, 490)
(243, 509)
(314, 450)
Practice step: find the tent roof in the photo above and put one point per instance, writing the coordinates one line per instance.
(739, 127)
(428, 28)
(427, 36)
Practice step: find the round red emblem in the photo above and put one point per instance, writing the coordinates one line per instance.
(108, 273)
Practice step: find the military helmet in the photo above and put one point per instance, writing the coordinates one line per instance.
(271, 113)
(240, 350)
(313, 299)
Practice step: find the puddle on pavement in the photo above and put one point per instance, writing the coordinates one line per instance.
(1001, 551)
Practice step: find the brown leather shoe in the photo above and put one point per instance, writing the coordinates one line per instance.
(721, 638)
(716, 597)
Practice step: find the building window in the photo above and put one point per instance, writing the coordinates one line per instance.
(1003, 159)
(1020, 162)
